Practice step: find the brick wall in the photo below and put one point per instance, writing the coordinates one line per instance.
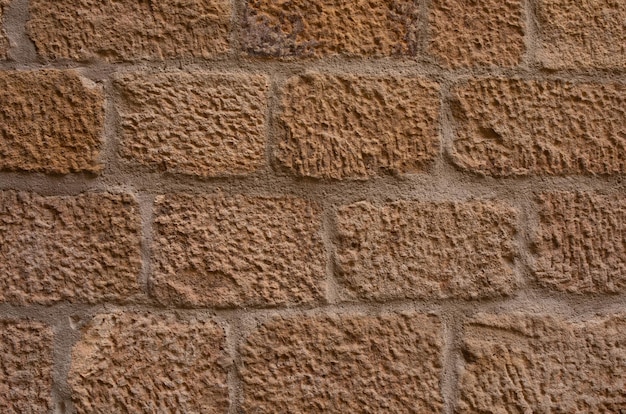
(273, 206)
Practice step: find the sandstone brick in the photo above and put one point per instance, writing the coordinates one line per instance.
(582, 34)
(466, 33)
(330, 27)
(149, 363)
(509, 127)
(83, 248)
(50, 121)
(194, 123)
(543, 364)
(25, 367)
(4, 42)
(580, 243)
(350, 126)
(129, 30)
(237, 251)
(344, 364)
(411, 249)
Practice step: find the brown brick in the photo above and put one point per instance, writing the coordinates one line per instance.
(129, 30)
(199, 124)
(344, 364)
(50, 121)
(237, 251)
(411, 249)
(4, 42)
(466, 33)
(25, 367)
(149, 363)
(542, 364)
(509, 127)
(83, 248)
(330, 27)
(349, 126)
(582, 34)
(580, 244)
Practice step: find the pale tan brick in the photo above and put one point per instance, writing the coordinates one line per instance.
(315, 28)
(580, 243)
(150, 363)
(543, 364)
(351, 126)
(582, 34)
(513, 127)
(344, 364)
(426, 250)
(25, 367)
(465, 33)
(82, 248)
(50, 121)
(194, 123)
(129, 30)
(237, 251)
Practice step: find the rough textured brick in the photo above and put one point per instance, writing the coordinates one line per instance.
(344, 364)
(237, 251)
(149, 363)
(476, 33)
(199, 124)
(4, 42)
(542, 364)
(331, 27)
(50, 121)
(351, 126)
(82, 248)
(426, 250)
(25, 367)
(582, 34)
(508, 127)
(580, 244)
(129, 30)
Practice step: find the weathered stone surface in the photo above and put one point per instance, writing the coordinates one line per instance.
(129, 30)
(330, 27)
(465, 33)
(543, 364)
(82, 249)
(350, 126)
(344, 364)
(237, 251)
(580, 244)
(582, 34)
(509, 127)
(194, 123)
(4, 42)
(25, 367)
(50, 121)
(150, 363)
(426, 250)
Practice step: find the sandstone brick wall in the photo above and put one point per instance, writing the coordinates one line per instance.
(313, 206)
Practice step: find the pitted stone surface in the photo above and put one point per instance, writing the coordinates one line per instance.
(237, 251)
(4, 42)
(513, 127)
(465, 33)
(194, 123)
(542, 364)
(344, 364)
(25, 367)
(83, 248)
(149, 363)
(350, 126)
(316, 28)
(582, 34)
(50, 121)
(129, 30)
(580, 243)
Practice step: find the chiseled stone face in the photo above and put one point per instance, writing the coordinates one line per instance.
(344, 364)
(4, 42)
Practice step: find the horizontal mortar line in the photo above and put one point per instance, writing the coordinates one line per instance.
(374, 66)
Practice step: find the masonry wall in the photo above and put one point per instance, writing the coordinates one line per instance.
(266, 206)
